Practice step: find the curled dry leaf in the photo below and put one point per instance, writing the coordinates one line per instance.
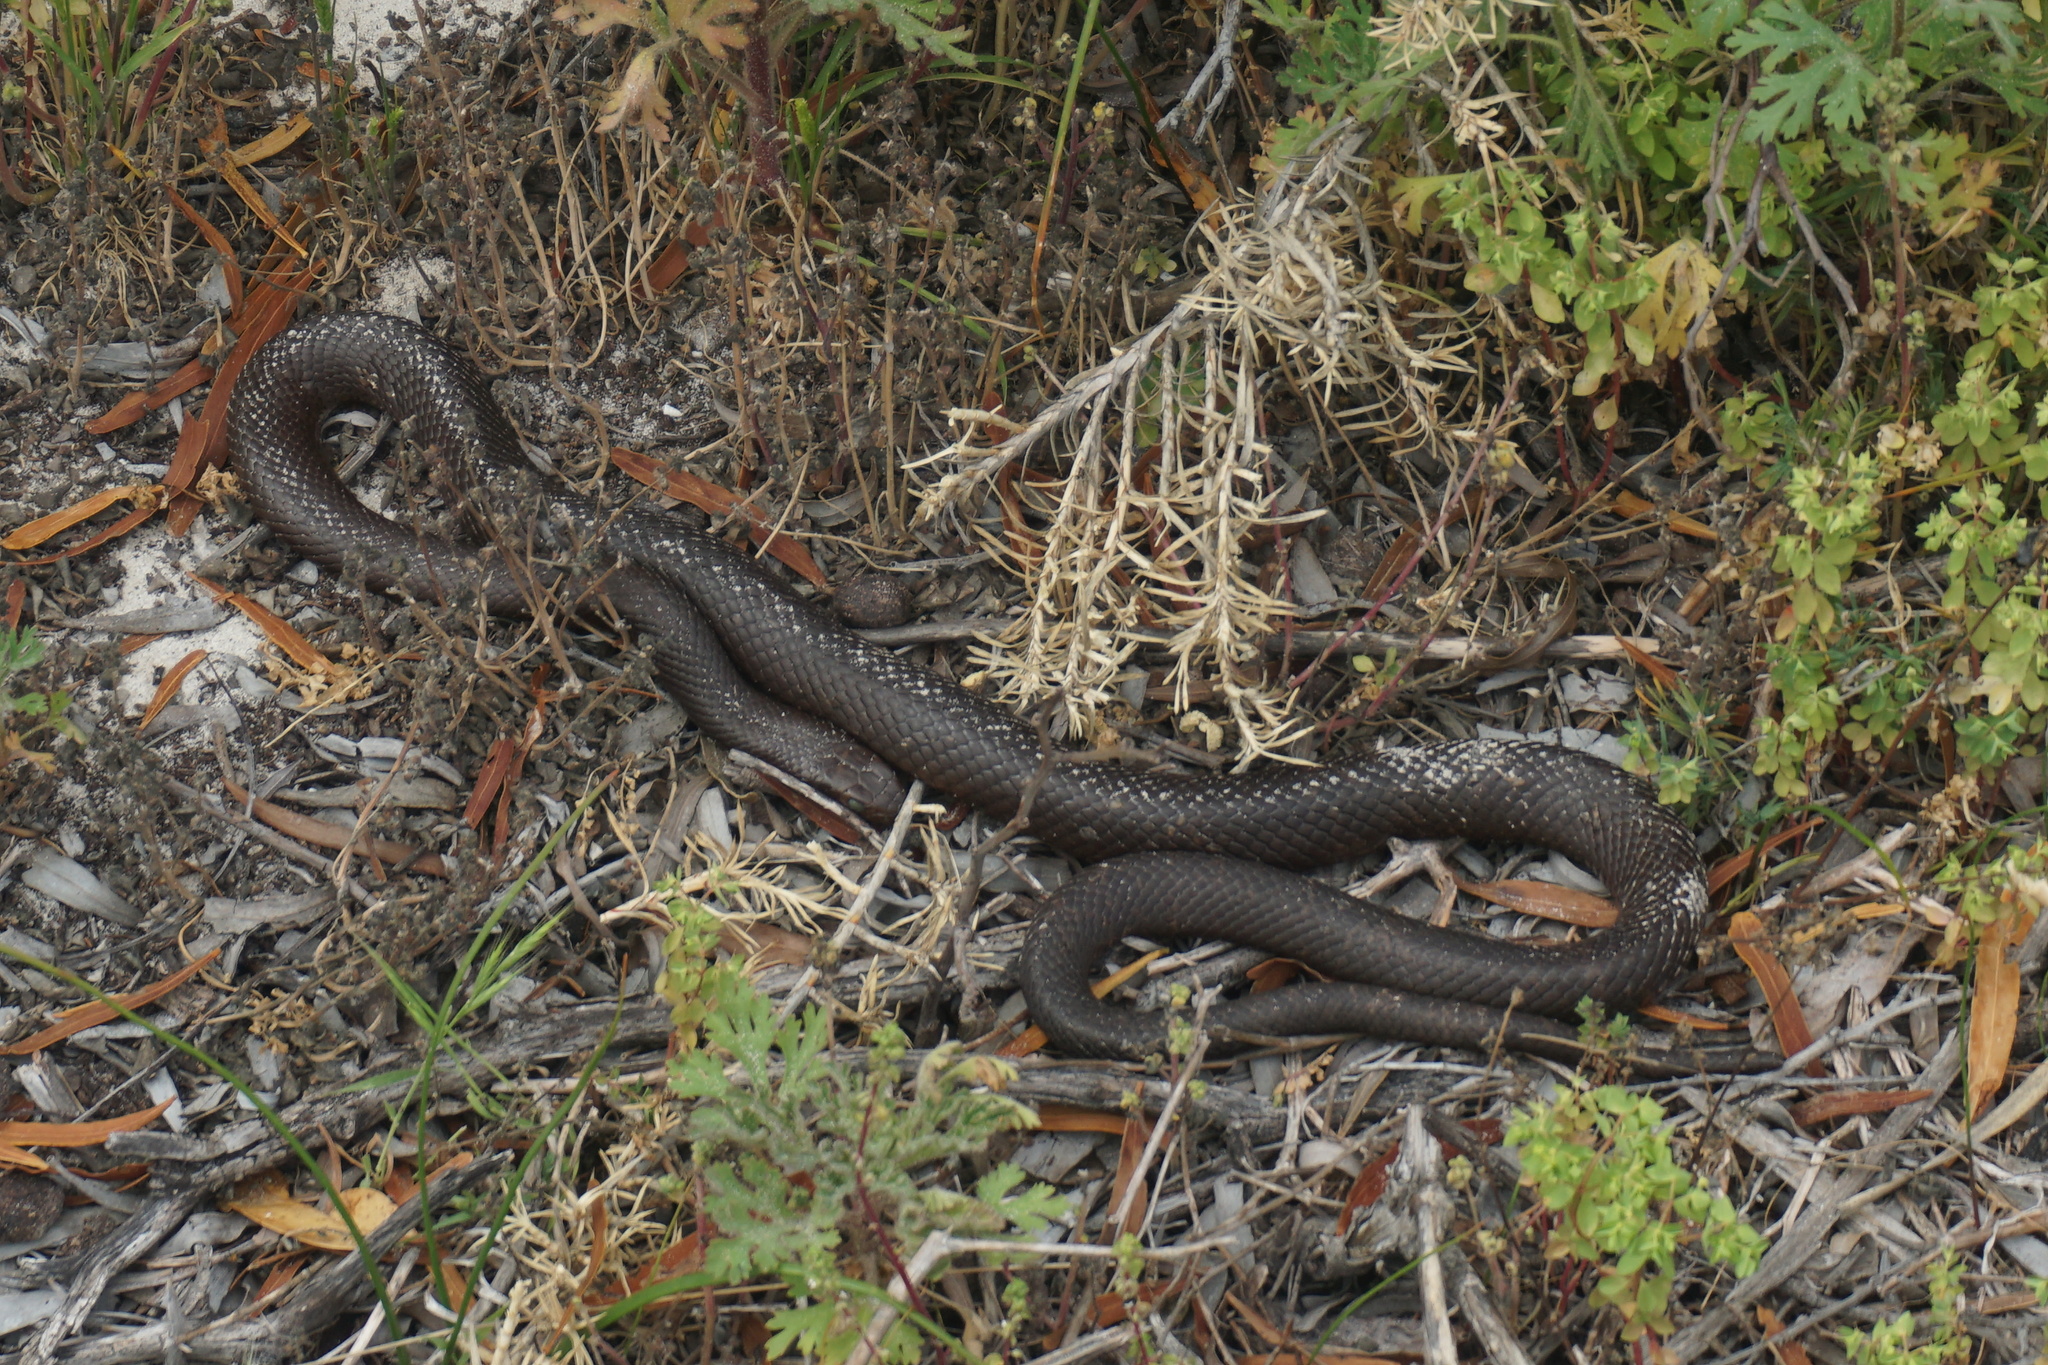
(1994, 1010)
(90, 1134)
(1751, 941)
(90, 1015)
(267, 1202)
(637, 99)
(712, 23)
(31, 534)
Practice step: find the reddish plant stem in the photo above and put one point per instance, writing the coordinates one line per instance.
(764, 122)
(156, 74)
(874, 1216)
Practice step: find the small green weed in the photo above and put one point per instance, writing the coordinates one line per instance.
(1891, 1343)
(807, 1167)
(20, 651)
(1688, 720)
(1601, 1161)
(2001, 888)
(93, 73)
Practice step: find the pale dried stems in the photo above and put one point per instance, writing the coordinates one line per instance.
(1420, 32)
(1165, 501)
(576, 1240)
(755, 880)
(811, 886)
(587, 248)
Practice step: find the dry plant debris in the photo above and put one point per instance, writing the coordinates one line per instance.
(1226, 380)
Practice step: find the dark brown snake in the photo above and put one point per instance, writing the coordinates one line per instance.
(1183, 854)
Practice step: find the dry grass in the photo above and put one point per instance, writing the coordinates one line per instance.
(1160, 483)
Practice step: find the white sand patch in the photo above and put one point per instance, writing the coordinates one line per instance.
(363, 33)
(402, 282)
(154, 570)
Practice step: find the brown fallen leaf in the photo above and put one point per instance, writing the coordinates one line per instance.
(1843, 1103)
(262, 148)
(400, 1185)
(764, 945)
(666, 268)
(1628, 504)
(1664, 1014)
(1728, 869)
(1272, 974)
(167, 690)
(267, 1202)
(1025, 543)
(1785, 1352)
(709, 497)
(821, 816)
(1372, 1181)
(1074, 1118)
(226, 162)
(1547, 900)
(321, 834)
(1367, 1188)
(1137, 1134)
(1034, 1037)
(1102, 988)
(90, 1134)
(81, 1017)
(1664, 673)
(133, 405)
(323, 75)
(31, 534)
(267, 309)
(682, 1257)
(279, 632)
(1877, 909)
(498, 765)
(1994, 1009)
(14, 1158)
(1746, 934)
(231, 271)
(1025, 1043)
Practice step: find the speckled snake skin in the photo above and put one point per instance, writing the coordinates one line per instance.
(710, 615)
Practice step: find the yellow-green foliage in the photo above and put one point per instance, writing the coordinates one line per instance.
(1601, 1161)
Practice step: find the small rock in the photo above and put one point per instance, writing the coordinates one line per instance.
(29, 1204)
(1348, 555)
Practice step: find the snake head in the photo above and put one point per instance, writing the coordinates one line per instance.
(864, 784)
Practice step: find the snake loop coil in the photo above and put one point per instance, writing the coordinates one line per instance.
(1173, 855)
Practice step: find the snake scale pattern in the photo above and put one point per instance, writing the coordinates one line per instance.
(1173, 855)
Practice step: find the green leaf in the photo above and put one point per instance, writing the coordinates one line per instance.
(915, 23)
(159, 42)
(1806, 64)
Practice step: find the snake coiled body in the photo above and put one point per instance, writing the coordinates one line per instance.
(1177, 855)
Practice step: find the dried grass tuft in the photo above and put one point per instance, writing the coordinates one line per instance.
(1167, 487)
